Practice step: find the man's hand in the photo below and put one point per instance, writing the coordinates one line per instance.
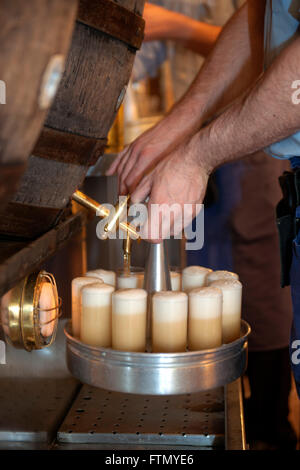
(141, 156)
(264, 115)
(177, 180)
(228, 72)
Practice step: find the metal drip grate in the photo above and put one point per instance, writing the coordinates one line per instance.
(101, 416)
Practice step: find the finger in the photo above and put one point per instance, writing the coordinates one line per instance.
(125, 154)
(123, 190)
(130, 163)
(159, 223)
(114, 166)
(144, 164)
(126, 168)
(123, 161)
(137, 172)
(151, 231)
(143, 190)
(120, 168)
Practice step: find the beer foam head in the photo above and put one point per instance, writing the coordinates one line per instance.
(108, 277)
(196, 271)
(205, 302)
(227, 284)
(129, 302)
(130, 294)
(169, 306)
(175, 280)
(232, 296)
(79, 282)
(170, 296)
(210, 292)
(96, 294)
(130, 280)
(194, 276)
(127, 281)
(175, 274)
(220, 275)
(97, 288)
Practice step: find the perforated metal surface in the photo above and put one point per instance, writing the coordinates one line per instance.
(100, 416)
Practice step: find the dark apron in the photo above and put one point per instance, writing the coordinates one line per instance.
(288, 222)
(241, 235)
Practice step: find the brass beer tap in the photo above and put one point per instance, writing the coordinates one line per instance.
(102, 211)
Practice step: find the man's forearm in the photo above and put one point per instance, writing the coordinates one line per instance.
(200, 37)
(163, 24)
(266, 114)
(235, 62)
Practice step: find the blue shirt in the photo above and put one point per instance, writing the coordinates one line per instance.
(281, 28)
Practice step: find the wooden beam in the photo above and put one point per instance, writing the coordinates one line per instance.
(18, 259)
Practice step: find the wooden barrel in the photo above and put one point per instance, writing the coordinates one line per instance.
(98, 67)
(34, 38)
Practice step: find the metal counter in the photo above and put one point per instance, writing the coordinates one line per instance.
(43, 407)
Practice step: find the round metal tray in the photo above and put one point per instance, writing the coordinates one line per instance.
(157, 373)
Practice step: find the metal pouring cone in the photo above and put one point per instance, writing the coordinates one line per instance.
(157, 278)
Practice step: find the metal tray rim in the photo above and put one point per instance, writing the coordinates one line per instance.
(150, 359)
